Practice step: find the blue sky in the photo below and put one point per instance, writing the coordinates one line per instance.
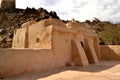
(105, 10)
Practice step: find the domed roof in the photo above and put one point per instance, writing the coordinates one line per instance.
(52, 21)
(73, 24)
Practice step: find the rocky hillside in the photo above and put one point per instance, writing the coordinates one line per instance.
(109, 33)
(12, 19)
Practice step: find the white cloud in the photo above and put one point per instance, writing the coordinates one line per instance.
(78, 9)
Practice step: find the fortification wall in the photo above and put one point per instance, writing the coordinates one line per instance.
(19, 61)
(110, 52)
(10, 4)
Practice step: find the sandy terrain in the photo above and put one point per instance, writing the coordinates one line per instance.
(105, 70)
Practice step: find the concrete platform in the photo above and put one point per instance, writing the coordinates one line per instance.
(105, 70)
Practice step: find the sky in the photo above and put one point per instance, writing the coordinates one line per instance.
(105, 10)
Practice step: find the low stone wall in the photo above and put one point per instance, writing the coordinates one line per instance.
(110, 52)
(19, 61)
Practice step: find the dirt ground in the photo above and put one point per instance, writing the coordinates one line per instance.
(105, 70)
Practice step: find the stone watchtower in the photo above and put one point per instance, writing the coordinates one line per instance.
(7, 4)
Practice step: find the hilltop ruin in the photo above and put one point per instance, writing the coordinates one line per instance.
(7, 4)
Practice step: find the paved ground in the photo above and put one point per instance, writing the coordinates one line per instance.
(105, 70)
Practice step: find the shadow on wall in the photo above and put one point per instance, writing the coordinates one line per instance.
(110, 52)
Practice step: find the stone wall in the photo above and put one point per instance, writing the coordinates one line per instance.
(9, 4)
(110, 52)
(67, 46)
(19, 61)
(61, 43)
(39, 36)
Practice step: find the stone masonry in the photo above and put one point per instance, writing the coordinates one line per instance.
(54, 34)
(49, 44)
(7, 4)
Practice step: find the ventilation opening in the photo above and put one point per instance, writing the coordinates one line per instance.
(81, 43)
(37, 40)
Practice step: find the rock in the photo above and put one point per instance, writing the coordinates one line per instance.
(9, 40)
(1, 31)
(40, 9)
(53, 14)
(10, 35)
(2, 39)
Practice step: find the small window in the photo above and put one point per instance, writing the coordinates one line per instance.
(37, 40)
(81, 43)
